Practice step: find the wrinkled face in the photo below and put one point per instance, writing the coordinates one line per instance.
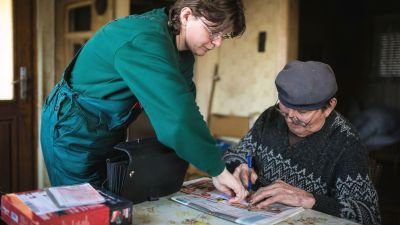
(201, 36)
(303, 123)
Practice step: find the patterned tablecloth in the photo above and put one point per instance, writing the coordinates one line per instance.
(165, 211)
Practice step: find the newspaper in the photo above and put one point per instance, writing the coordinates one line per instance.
(202, 195)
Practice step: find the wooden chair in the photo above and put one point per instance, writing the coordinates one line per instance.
(387, 155)
(375, 171)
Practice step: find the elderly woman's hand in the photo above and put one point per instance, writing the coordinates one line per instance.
(281, 192)
(242, 173)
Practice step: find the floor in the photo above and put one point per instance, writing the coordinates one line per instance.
(389, 195)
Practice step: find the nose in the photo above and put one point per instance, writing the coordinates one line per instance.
(217, 42)
(291, 113)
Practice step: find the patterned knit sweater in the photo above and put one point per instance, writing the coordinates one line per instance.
(331, 164)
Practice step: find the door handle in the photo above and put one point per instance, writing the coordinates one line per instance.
(23, 83)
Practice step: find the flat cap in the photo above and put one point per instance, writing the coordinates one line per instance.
(305, 85)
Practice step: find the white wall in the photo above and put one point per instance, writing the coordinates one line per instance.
(247, 77)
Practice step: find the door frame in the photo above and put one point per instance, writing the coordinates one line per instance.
(46, 80)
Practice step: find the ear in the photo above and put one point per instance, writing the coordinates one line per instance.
(184, 16)
(332, 105)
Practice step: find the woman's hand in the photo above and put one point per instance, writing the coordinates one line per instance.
(230, 185)
(242, 173)
(281, 192)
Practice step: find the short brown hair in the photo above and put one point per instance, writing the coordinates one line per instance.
(223, 13)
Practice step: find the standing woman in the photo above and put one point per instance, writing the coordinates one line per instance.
(139, 62)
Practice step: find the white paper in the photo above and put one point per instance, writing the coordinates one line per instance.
(75, 195)
(39, 202)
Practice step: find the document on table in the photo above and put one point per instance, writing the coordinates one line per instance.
(201, 195)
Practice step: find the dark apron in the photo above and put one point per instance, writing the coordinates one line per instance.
(78, 133)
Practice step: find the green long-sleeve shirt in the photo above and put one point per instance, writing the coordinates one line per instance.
(137, 56)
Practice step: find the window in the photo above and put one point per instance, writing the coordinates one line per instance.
(386, 59)
(79, 27)
(80, 18)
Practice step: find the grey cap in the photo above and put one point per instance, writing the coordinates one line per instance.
(305, 85)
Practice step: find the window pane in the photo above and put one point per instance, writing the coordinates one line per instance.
(389, 58)
(6, 53)
(80, 19)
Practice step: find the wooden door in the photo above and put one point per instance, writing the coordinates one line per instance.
(17, 126)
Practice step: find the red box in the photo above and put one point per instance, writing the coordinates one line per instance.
(16, 212)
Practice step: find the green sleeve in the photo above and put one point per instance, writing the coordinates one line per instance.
(149, 65)
(187, 70)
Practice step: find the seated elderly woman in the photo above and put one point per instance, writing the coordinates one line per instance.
(304, 152)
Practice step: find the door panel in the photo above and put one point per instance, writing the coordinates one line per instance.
(17, 127)
(7, 140)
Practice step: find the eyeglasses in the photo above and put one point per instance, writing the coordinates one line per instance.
(215, 35)
(294, 119)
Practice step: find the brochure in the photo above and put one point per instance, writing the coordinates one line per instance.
(39, 202)
(75, 195)
(202, 195)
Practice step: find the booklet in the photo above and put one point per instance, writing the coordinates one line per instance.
(75, 195)
(39, 202)
(202, 195)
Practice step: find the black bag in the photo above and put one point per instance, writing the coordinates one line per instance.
(145, 170)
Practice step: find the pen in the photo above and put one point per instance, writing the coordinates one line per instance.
(249, 177)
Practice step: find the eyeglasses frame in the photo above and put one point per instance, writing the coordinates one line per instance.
(294, 119)
(214, 36)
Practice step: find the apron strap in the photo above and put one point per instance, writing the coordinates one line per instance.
(68, 70)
